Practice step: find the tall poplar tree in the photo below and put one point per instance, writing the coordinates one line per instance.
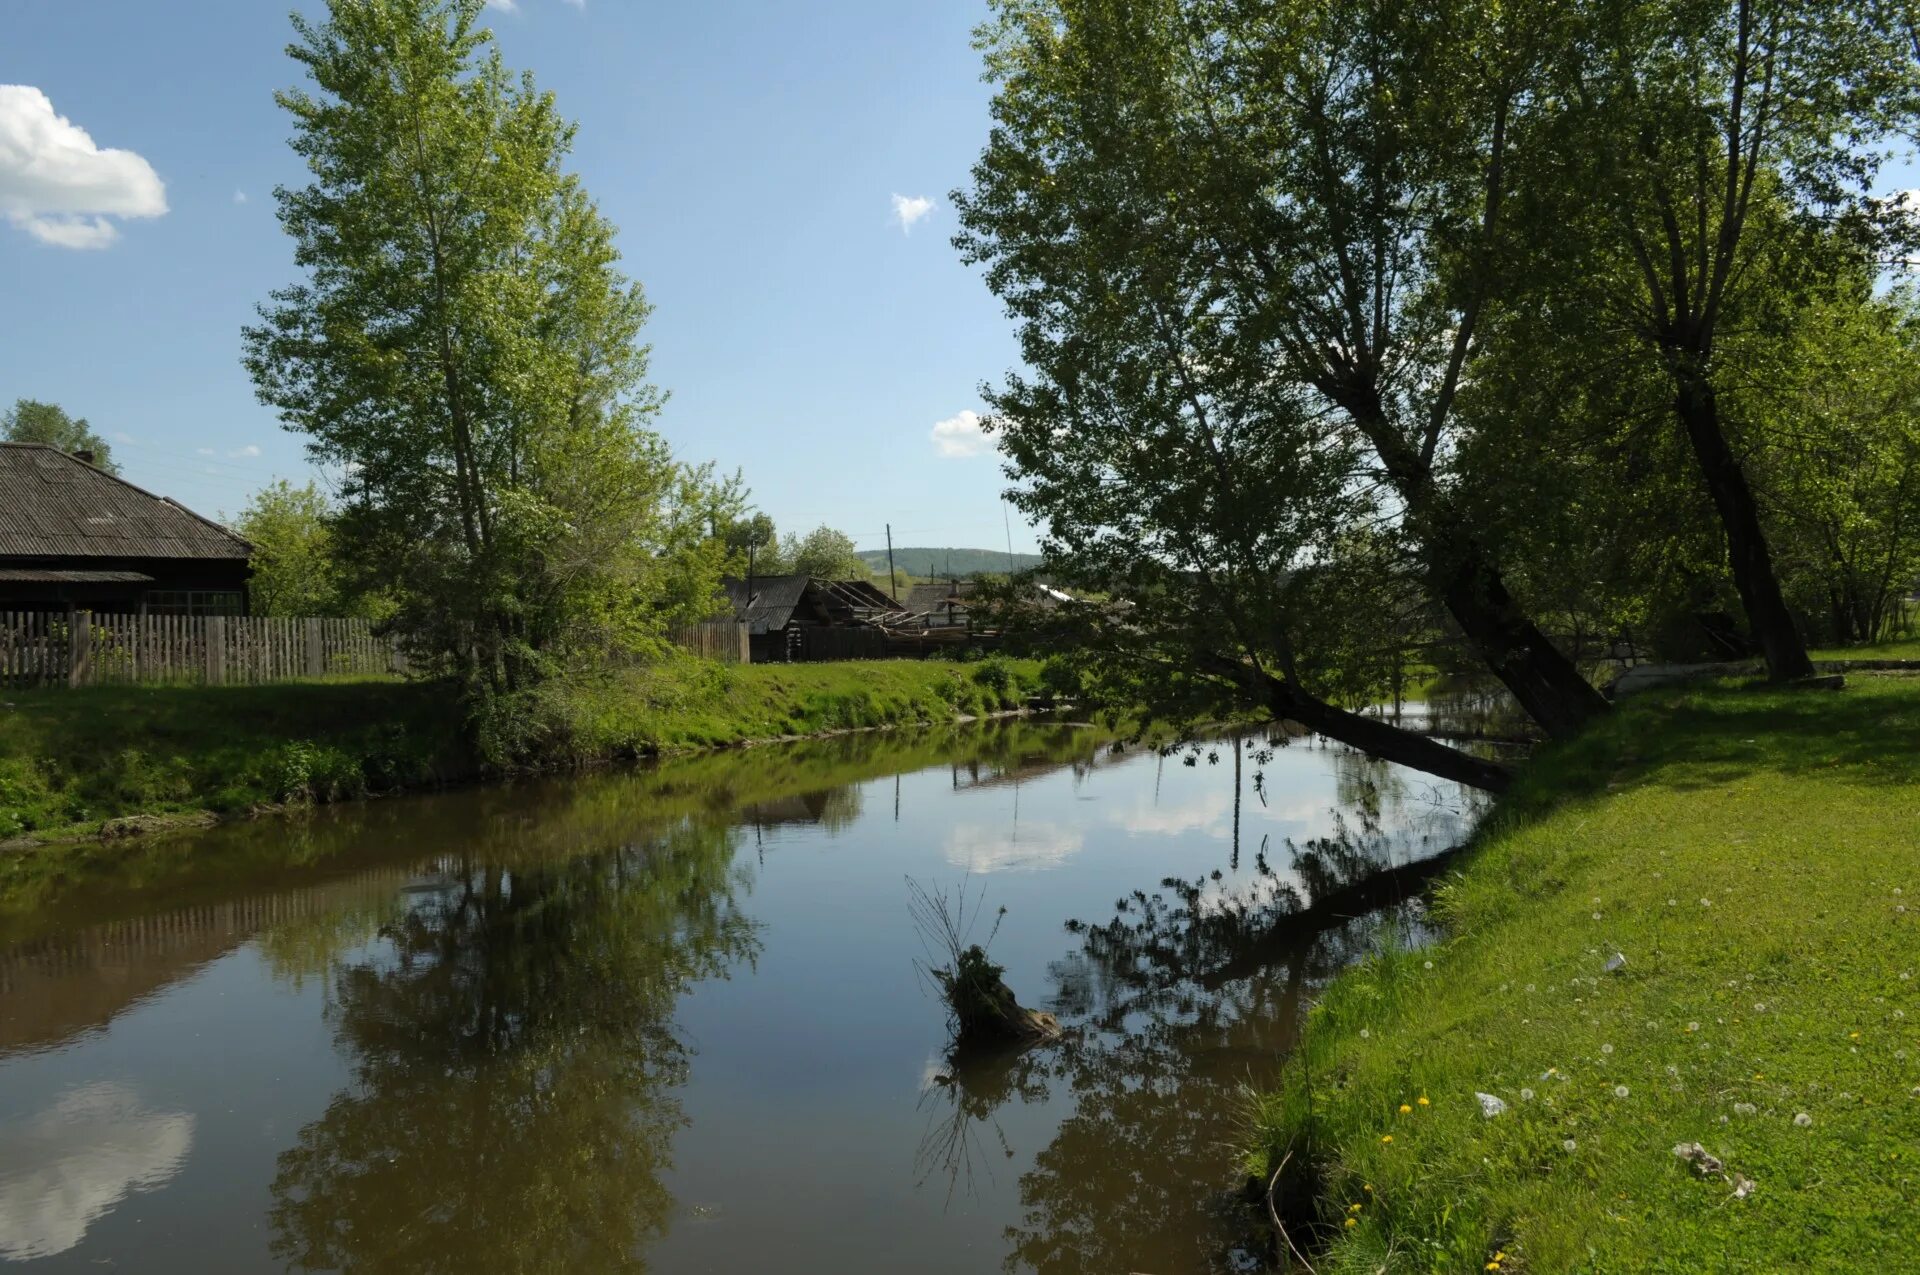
(463, 345)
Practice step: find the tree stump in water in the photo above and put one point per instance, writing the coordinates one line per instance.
(984, 1007)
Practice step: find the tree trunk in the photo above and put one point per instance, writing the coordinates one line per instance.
(1467, 582)
(1544, 681)
(1747, 552)
(1378, 739)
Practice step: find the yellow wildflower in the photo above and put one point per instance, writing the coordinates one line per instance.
(1386, 1137)
(1404, 1109)
(1422, 1100)
(1350, 1223)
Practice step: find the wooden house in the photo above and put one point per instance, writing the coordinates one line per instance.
(802, 617)
(72, 535)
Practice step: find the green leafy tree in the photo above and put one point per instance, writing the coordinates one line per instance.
(1699, 150)
(1317, 194)
(465, 348)
(31, 421)
(826, 553)
(1841, 472)
(294, 568)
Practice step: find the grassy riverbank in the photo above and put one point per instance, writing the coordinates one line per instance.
(73, 760)
(1754, 856)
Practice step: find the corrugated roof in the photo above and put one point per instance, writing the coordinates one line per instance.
(13, 575)
(771, 601)
(53, 505)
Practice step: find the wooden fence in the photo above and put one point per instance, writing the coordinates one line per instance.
(723, 640)
(81, 648)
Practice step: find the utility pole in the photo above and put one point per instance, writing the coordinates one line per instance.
(893, 581)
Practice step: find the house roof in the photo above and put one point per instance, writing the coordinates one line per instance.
(53, 505)
(29, 575)
(771, 602)
(928, 597)
(777, 601)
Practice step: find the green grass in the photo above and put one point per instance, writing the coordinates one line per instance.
(1750, 853)
(73, 759)
(1897, 649)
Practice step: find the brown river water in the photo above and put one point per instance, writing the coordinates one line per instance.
(675, 1019)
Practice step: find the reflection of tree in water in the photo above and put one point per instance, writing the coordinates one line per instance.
(1178, 1002)
(514, 1053)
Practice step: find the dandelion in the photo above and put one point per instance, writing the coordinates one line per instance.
(1354, 1207)
(1493, 1266)
(1673, 903)
(1405, 1109)
(1422, 1100)
(1744, 1109)
(1803, 1120)
(1526, 1095)
(1759, 1007)
(1596, 916)
(1350, 1223)
(1367, 1187)
(1365, 1034)
(1429, 965)
(1705, 902)
(1899, 1013)
(1606, 1049)
(1693, 1027)
(1568, 1145)
(1530, 985)
(1853, 1035)
(1386, 1138)
(1619, 1091)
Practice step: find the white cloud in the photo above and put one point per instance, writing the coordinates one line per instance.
(58, 186)
(204, 451)
(60, 1170)
(1027, 848)
(239, 196)
(251, 449)
(907, 210)
(960, 436)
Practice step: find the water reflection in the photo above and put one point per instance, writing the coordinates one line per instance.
(64, 1167)
(514, 1057)
(1176, 1003)
(540, 1028)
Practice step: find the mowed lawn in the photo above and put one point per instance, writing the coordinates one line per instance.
(1755, 858)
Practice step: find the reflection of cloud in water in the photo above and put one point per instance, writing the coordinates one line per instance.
(1212, 814)
(1028, 847)
(62, 1169)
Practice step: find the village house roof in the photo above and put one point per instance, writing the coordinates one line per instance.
(776, 601)
(53, 505)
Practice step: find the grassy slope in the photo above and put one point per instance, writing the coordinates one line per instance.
(72, 758)
(1751, 854)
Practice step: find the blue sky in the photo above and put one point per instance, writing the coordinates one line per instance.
(749, 150)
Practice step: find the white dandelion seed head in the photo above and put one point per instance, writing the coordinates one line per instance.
(1619, 1091)
(1568, 1145)
(1526, 1095)
(1803, 1120)
(1606, 1049)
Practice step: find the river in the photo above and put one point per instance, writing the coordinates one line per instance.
(676, 1018)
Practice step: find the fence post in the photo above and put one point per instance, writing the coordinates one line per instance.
(79, 644)
(316, 660)
(215, 629)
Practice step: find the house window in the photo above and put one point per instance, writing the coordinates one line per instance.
(192, 602)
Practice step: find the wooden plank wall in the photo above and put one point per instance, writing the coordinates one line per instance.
(723, 640)
(80, 648)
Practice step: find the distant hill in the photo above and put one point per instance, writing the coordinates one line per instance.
(923, 561)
